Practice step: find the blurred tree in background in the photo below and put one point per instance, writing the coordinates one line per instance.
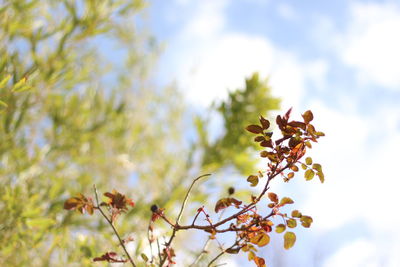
(77, 107)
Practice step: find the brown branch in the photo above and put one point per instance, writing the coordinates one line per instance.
(121, 242)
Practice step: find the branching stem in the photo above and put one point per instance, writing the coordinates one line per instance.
(121, 242)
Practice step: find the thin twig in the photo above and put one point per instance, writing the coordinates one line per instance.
(150, 239)
(113, 227)
(223, 252)
(187, 196)
(175, 227)
(205, 247)
(159, 251)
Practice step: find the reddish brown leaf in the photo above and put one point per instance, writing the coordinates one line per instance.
(264, 123)
(273, 197)
(297, 124)
(256, 129)
(308, 116)
(110, 257)
(287, 114)
(259, 138)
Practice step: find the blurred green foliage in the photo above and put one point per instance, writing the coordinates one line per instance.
(236, 147)
(77, 107)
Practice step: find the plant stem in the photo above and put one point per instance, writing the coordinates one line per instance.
(121, 242)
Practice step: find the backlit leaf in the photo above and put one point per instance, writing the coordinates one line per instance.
(296, 214)
(309, 174)
(144, 257)
(289, 240)
(317, 167)
(294, 168)
(308, 160)
(4, 81)
(273, 197)
(260, 262)
(286, 200)
(308, 116)
(321, 176)
(264, 240)
(291, 223)
(306, 221)
(253, 180)
(280, 228)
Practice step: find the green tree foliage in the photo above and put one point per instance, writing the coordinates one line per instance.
(77, 107)
(234, 147)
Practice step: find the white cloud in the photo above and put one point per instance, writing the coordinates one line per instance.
(207, 19)
(208, 59)
(361, 253)
(371, 43)
(232, 57)
(286, 11)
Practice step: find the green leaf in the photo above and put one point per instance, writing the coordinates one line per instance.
(256, 129)
(3, 104)
(41, 223)
(309, 174)
(304, 166)
(144, 257)
(317, 167)
(321, 176)
(296, 214)
(306, 221)
(291, 223)
(286, 200)
(289, 240)
(280, 228)
(264, 240)
(308, 160)
(4, 81)
(253, 179)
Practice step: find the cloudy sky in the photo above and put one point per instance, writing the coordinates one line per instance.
(341, 59)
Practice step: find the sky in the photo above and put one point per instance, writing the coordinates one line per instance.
(341, 59)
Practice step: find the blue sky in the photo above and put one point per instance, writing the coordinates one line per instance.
(340, 59)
